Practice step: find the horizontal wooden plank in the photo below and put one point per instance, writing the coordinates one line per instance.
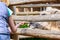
(39, 33)
(13, 2)
(22, 36)
(27, 13)
(51, 17)
(39, 5)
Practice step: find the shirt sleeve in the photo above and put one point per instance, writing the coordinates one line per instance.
(9, 12)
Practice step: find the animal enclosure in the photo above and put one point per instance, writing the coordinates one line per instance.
(37, 11)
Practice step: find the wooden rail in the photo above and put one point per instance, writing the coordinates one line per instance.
(28, 13)
(39, 5)
(15, 2)
(39, 33)
(51, 17)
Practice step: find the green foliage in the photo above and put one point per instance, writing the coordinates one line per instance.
(25, 25)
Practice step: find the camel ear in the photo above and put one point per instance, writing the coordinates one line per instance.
(6, 1)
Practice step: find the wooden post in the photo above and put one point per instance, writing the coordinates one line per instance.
(31, 9)
(14, 9)
(40, 8)
(15, 37)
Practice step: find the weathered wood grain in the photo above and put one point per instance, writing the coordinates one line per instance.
(13, 2)
(39, 33)
(39, 5)
(37, 18)
(27, 13)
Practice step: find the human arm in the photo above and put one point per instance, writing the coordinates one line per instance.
(13, 27)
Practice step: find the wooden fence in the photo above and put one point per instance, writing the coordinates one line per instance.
(28, 16)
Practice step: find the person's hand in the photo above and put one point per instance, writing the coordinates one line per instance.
(21, 23)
